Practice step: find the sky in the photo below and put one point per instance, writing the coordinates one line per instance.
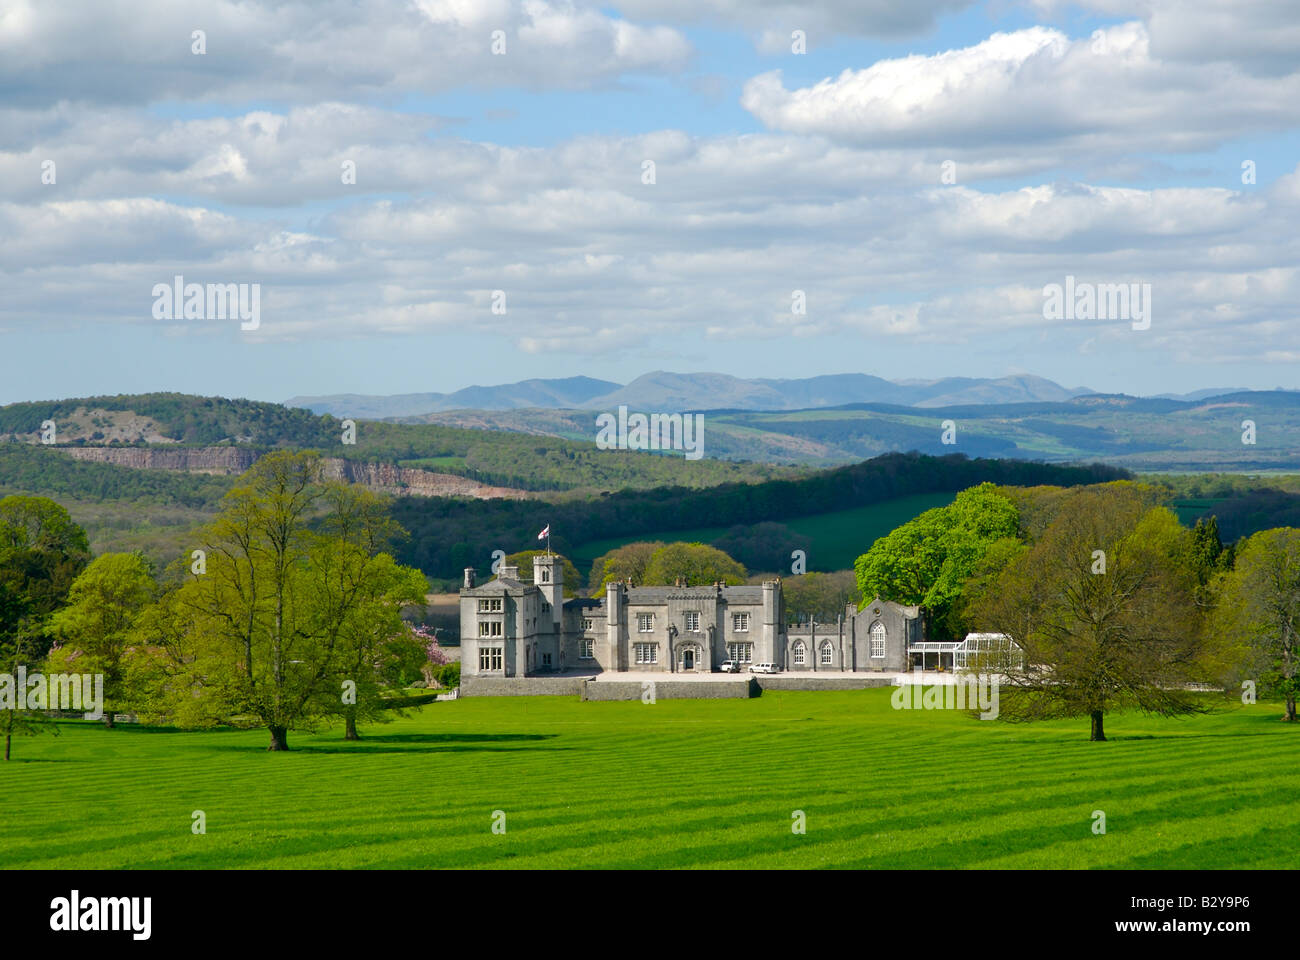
(431, 194)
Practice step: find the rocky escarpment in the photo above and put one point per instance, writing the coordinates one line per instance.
(381, 477)
(215, 460)
(390, 478)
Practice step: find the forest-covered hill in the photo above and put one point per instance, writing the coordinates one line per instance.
(489, 456)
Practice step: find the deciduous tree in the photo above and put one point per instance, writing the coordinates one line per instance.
(626, 562)
(96, 628)
(41, 553)
(928, 560)
(695, 564)
(1259, 604)
(294, 602)
(1103, 607)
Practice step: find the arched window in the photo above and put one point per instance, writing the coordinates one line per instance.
(827, 653)
(800, 653)
(878, 639)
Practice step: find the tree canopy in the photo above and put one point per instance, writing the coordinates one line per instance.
(98, 625)
(928, 560)
(1103, 606)
(695, 564)
(1259, 607)
(622, 563)
(42, 551)
(286, 621)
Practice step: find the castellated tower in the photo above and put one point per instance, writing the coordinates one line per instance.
(548, 575)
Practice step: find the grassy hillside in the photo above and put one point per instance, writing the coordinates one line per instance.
(837, 538)
(841, 510)
(681, 783)
(447, 535)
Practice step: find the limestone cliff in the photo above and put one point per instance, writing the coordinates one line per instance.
(382, 477)
(216, 460)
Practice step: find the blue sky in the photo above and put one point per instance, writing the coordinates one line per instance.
(1103, 139)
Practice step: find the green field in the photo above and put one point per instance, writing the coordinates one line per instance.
(692, 783)
(1191, 508)
(838, 538)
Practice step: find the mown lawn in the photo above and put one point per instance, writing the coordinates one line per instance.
(673, 784)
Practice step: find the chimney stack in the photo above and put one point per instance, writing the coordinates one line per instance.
(469, 578)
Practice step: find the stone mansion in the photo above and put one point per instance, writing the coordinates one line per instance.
(510, 628)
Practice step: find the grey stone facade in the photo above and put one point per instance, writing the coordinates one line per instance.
(874, 639)
(510, 628)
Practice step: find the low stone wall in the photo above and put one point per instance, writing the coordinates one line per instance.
(670, 690)
(521, 686)
(792, 682)
(631, 688)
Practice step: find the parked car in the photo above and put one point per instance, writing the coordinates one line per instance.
(762, 668)
(730, 666)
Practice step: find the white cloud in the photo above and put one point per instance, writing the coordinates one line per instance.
(1257, 36)
(772, 20)
(1035, 90)
(842, 198)
(137, 51)
(592, 259)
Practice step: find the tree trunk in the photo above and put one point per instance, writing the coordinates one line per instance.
(279, 739)
(8, 739)
(350, 733)
(1288, 671)
(108, 719)
(1098, 733)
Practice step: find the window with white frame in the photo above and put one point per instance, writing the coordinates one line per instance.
(826, 653)
(489, 628)
(740, 622)
(588, 623)
(587, 649)
(647, 652)
(489, 658)
(877, 640)
(693, 621)
(645, 622)
(740, 652)
(800, 652)
(489, 605)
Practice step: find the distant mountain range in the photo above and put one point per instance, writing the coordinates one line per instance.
(554, 448)
(663, 390)
(564, 394)
(680, 392)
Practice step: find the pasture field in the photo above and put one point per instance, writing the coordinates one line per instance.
(838, 538)
(679, 783)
